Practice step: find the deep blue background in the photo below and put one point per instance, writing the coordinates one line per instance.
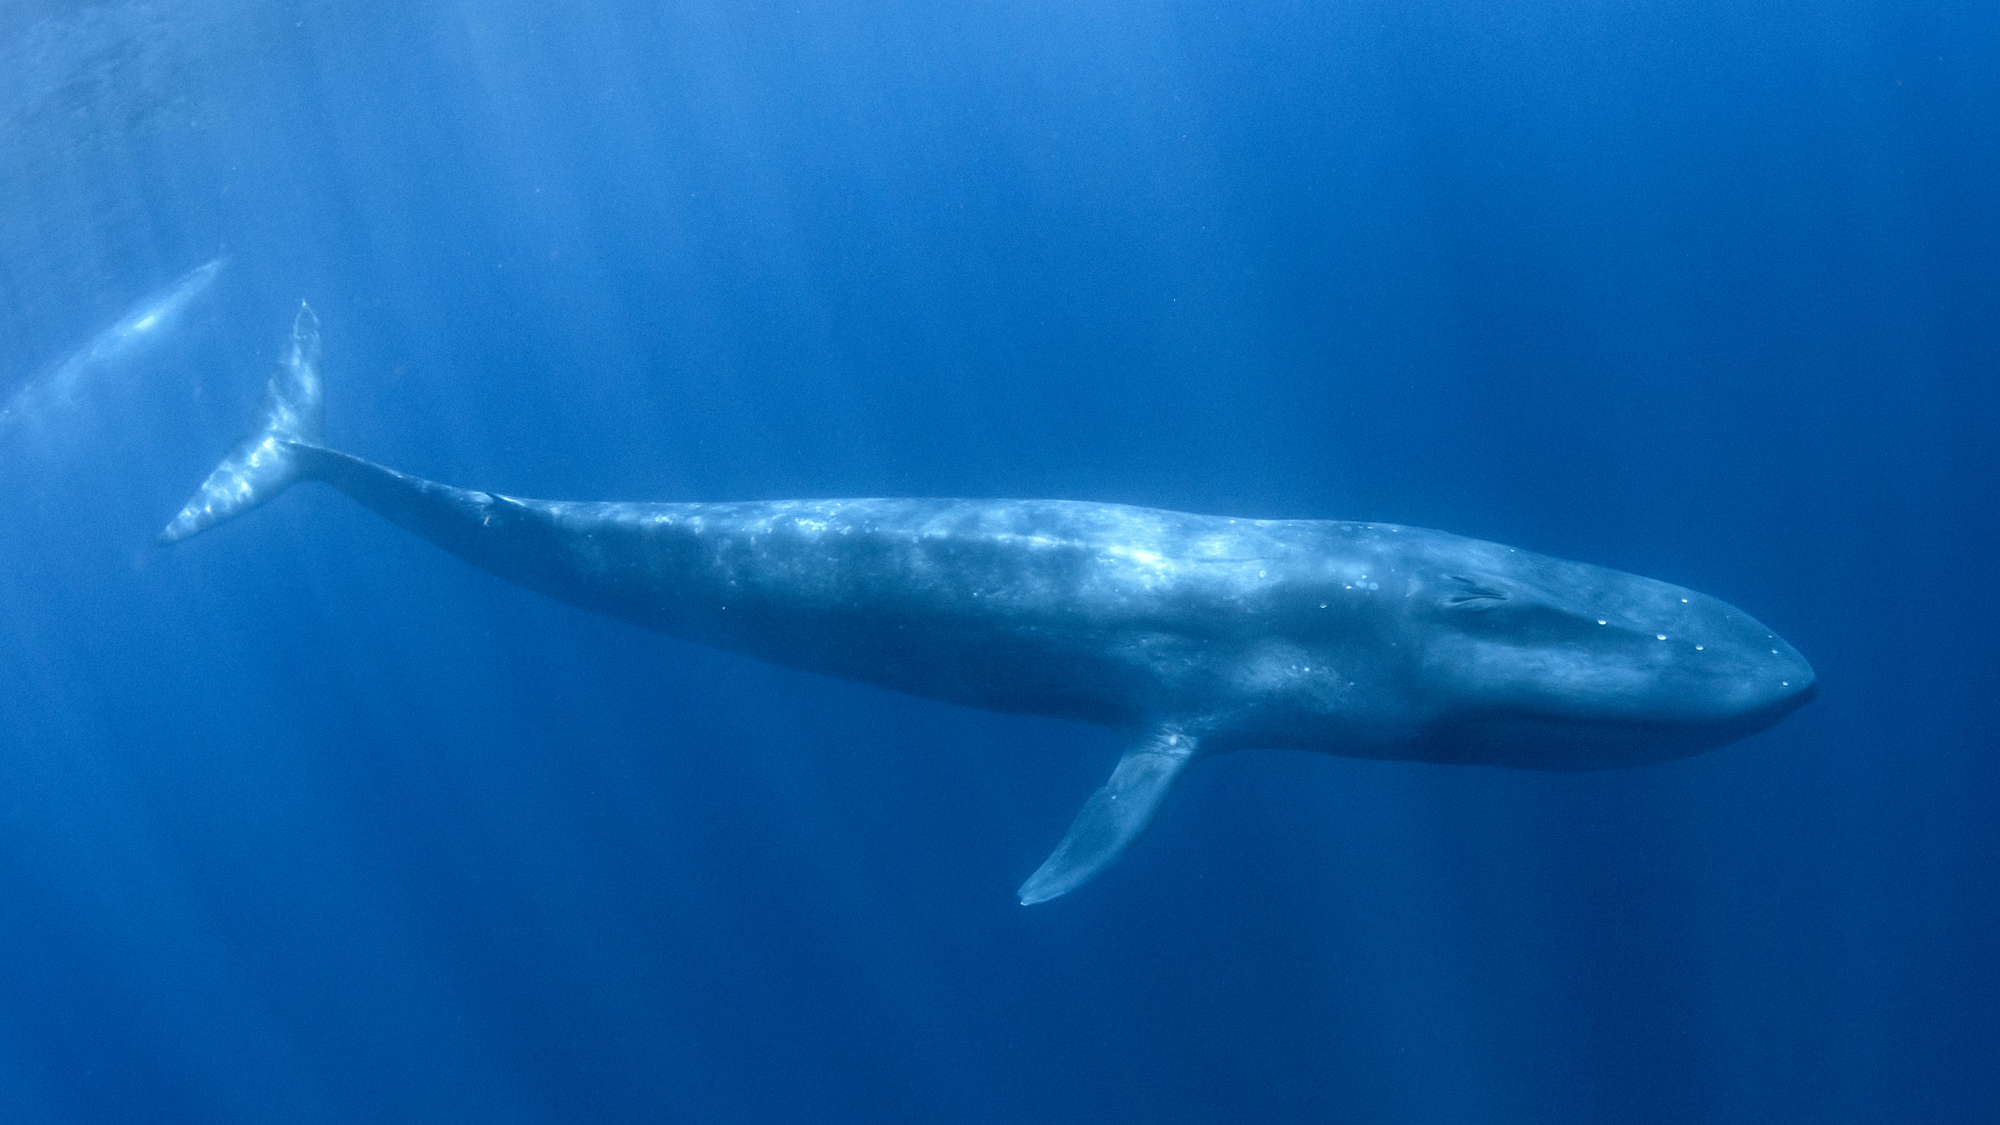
(306, 821)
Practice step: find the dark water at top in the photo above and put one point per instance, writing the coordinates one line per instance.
(306, 821)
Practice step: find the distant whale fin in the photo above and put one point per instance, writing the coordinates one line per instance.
(266, 461)
(1115, 816)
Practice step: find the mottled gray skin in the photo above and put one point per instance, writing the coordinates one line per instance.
(1192, 634)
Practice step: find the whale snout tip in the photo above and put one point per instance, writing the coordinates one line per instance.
(1805, 686)
(1806, 690)
(1790, 687)
(1799, 677)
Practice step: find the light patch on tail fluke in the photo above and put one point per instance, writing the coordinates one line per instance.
(265, 462)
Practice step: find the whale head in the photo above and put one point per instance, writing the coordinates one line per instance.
(1537, 661)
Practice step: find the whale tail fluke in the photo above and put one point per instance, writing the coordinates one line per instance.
(267, 460)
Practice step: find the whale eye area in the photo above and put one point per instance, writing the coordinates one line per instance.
(1466, 594)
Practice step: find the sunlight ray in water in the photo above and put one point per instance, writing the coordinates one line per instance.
(42, 400)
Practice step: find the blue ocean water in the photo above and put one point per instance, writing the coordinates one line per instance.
(304, 820)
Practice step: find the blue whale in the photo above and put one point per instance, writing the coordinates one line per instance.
(1189, 634)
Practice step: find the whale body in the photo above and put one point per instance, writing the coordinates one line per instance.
(1190, 634)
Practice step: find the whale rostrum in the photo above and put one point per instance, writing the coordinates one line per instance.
(1189, 634)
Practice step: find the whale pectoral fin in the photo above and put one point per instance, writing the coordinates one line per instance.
(1115, 816)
